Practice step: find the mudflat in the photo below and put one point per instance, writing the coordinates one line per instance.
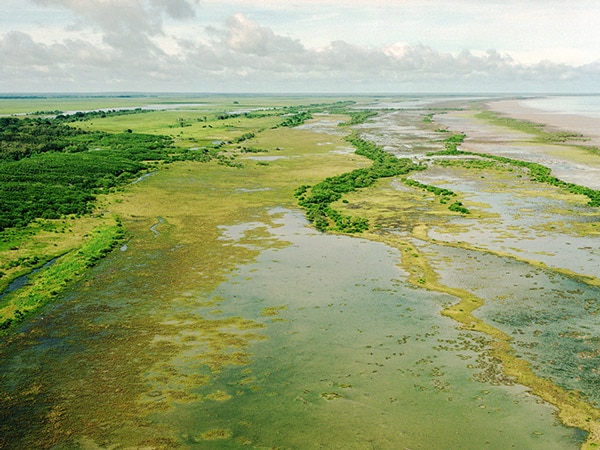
(585, 125)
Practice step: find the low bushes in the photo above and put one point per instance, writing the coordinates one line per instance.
(317, 199)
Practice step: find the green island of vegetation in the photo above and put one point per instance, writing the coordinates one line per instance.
(317, 199)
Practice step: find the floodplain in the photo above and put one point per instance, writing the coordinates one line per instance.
(223, 318)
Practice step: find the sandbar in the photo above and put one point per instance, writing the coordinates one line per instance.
(588, 126)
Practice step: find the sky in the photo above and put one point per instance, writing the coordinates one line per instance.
(300, 46)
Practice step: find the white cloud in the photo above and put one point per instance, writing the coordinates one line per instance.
(166, 45)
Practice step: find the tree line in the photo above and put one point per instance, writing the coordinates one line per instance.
(317, 199)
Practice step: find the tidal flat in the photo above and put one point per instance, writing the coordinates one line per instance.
(227, 321)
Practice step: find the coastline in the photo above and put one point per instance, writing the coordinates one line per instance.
(588, 126)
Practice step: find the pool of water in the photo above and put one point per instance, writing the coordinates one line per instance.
(544, 229)
(554, 319)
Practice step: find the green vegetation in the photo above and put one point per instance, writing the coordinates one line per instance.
(53, 170)
(317, 200)
(542, 174)
(528, 127)
(357, 117)
(197, 200)
(537, 172)
(443, 193)
(53, 185)
(295, 119)
(21, 138)
(244, 137)
(49, 169)
(459, 208)
(453, 142)
(80, 116)
(48, 283)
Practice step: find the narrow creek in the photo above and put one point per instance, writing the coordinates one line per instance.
(21, 281)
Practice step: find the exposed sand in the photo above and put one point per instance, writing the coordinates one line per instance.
(585, 125)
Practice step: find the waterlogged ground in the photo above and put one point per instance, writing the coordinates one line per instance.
(226, 321)
(317, 343)
(553, 318)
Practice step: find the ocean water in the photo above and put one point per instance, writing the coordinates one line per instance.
(584, 105)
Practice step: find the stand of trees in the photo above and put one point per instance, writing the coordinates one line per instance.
(49, 169)
(317, 199)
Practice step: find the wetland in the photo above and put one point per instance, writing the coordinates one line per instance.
(212, 311)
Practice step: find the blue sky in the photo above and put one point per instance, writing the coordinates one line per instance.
(299, 46)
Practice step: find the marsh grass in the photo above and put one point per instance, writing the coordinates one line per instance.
(29, 247)
(74, 256)
(402, 215)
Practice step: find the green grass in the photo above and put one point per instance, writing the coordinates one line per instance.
(51, 281)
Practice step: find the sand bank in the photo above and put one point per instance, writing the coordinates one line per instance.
(585, 125)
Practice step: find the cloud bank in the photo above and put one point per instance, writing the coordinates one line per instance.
(136, 45)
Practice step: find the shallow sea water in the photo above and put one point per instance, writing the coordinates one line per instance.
(585, 105)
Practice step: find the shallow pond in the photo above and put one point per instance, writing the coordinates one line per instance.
(530, 221)
(355, 359)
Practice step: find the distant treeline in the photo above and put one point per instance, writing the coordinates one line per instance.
(100, 114)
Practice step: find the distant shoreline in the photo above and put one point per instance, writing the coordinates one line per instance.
(585, 125)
